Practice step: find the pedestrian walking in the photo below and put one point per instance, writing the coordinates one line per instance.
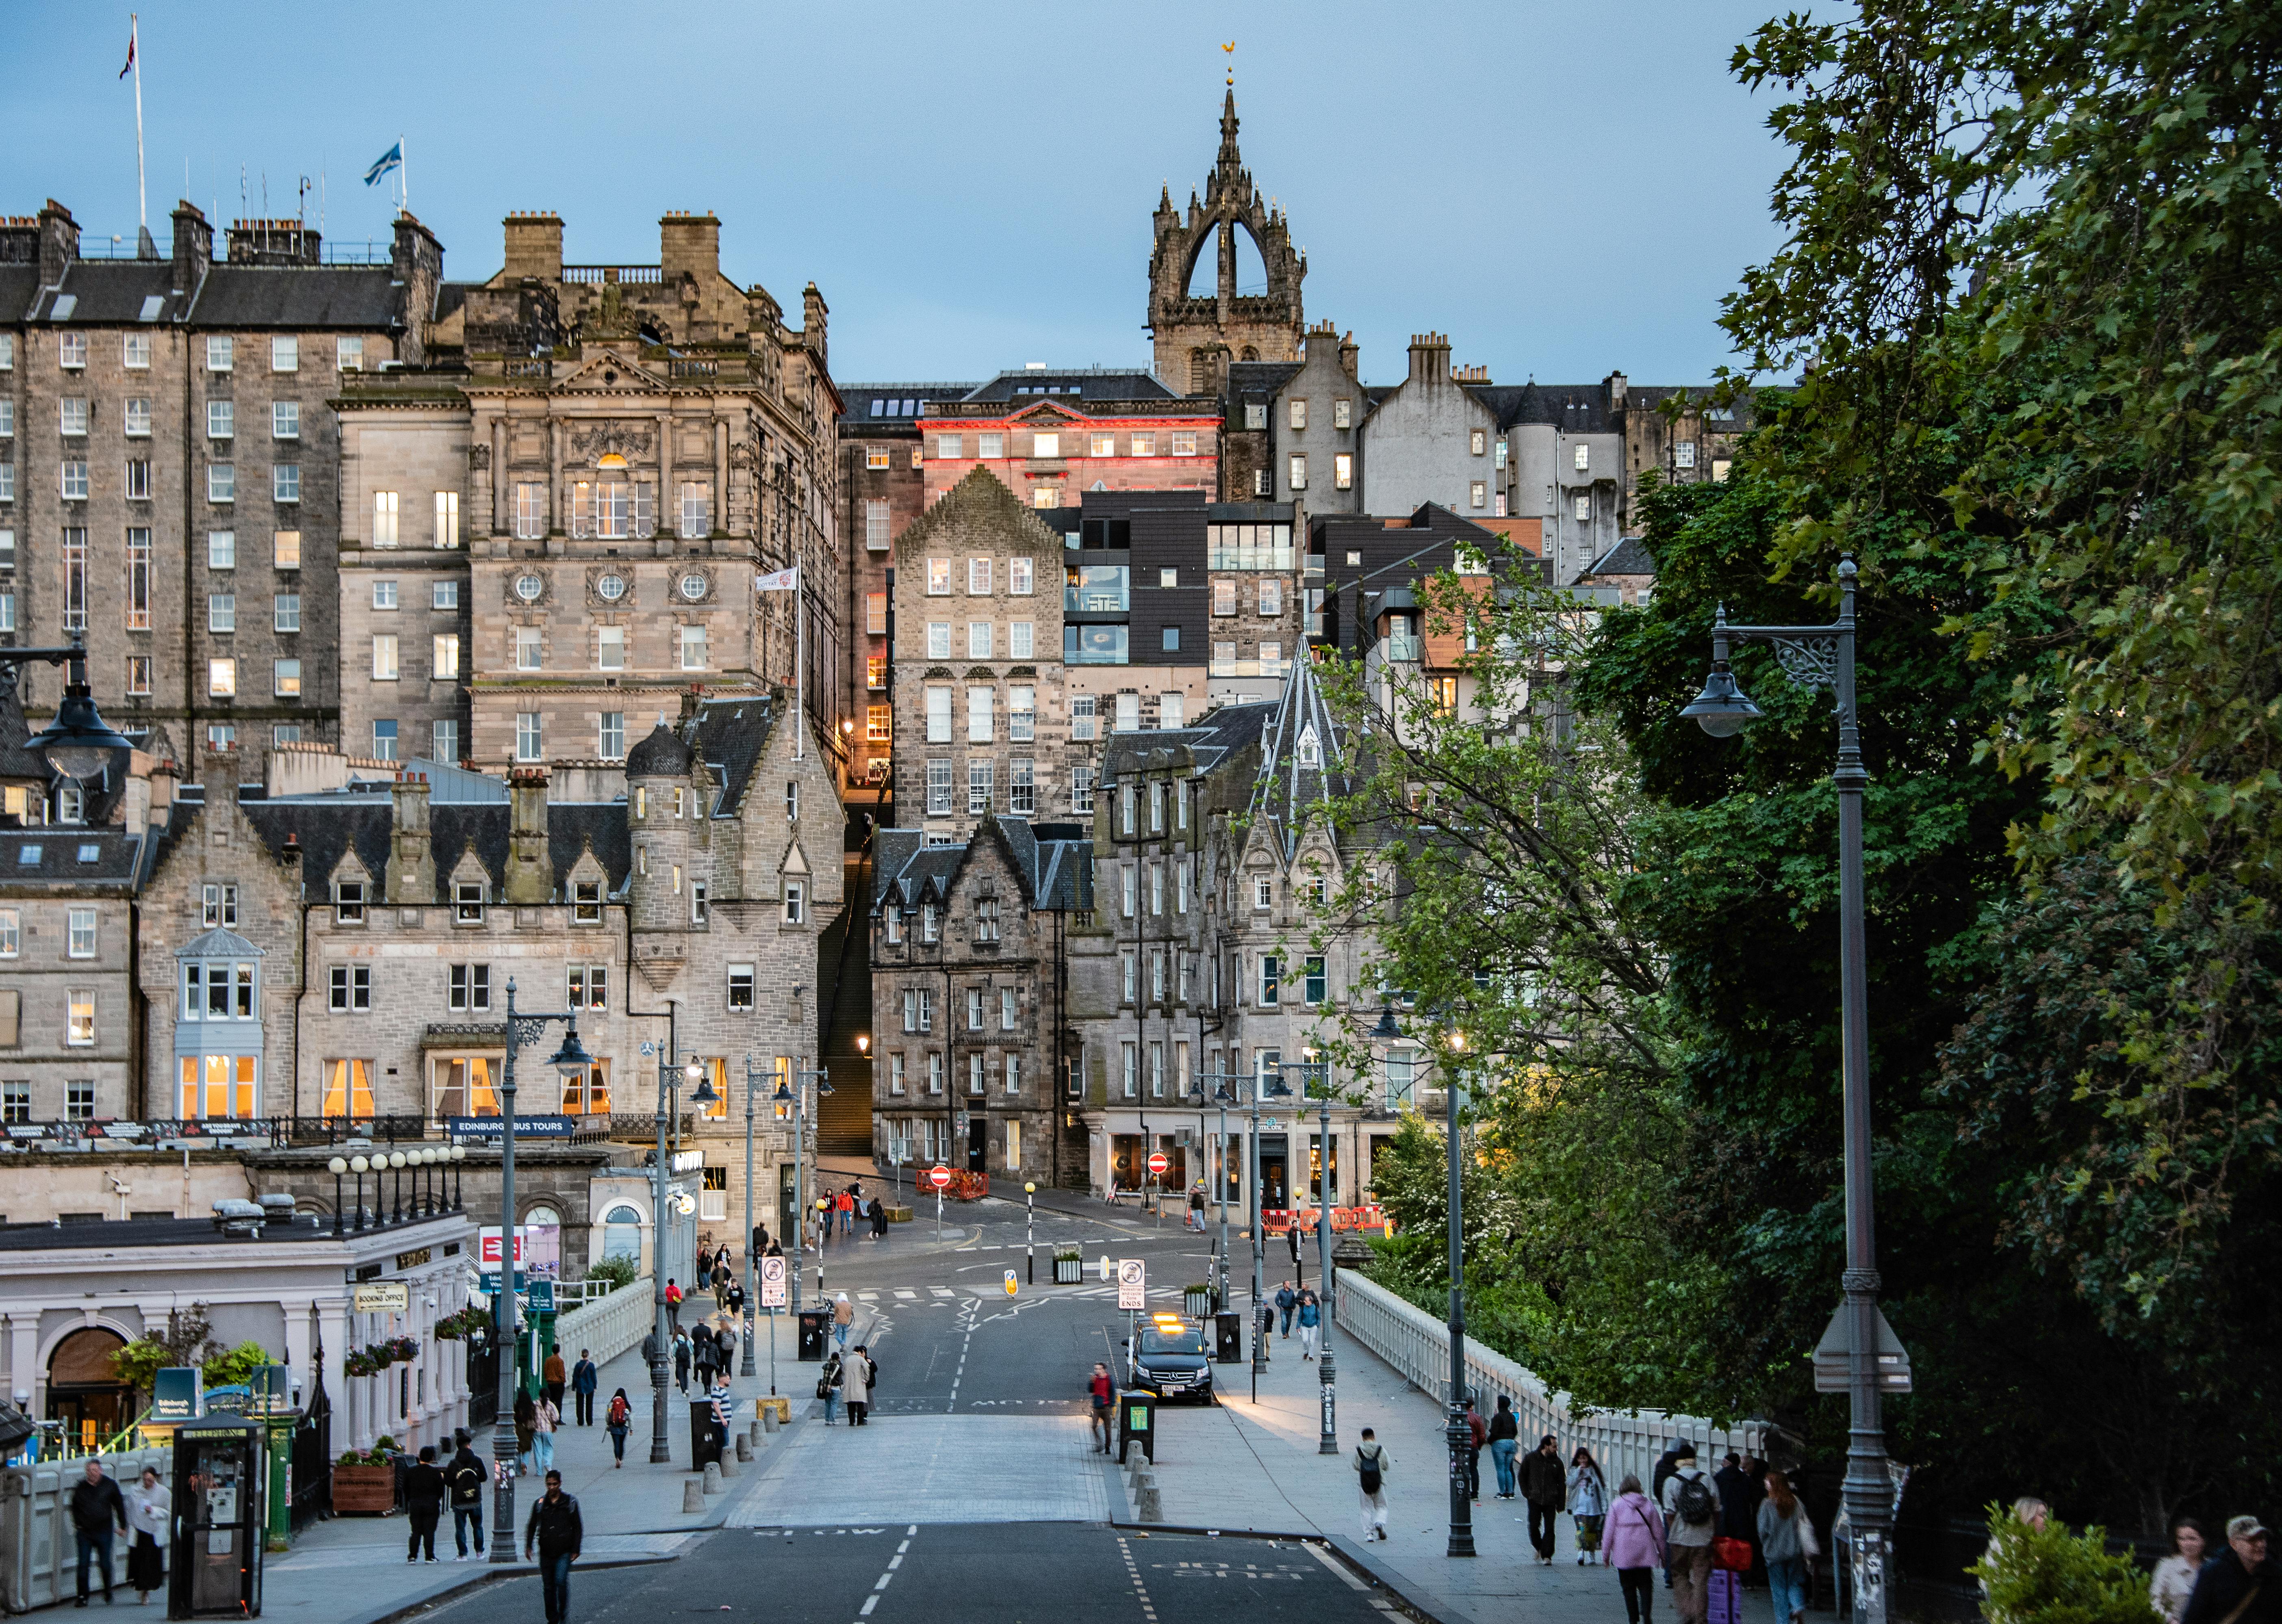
(843, 1319)
(2236, 1586)
(1546, 1486)
(2174, 1579)
(1311, 1322)
(149, 1516)
(847, 1204)
(1635, 1547)
(681, 1351)
(724, 1406)
(1664, 1462)
(1691, 1507)
(1505, 1442)
(463, 1483)
(1102, 1389)
(545, 1418)
(828, 1383)
(737, 1304)
(704, 1355)
(584, 1379)
(555, 1534)
(1371, 1463)
(556, 1378)
(1286, 1299)
(1787, 1535)
(526, 1430)
(1740, 1494)
(1588, 1503)
(857, 1376)
(98, 1514)
(1477, 1434)
(616, 1420)
(423, 1503)
(1196, 1219)
(672, 1305)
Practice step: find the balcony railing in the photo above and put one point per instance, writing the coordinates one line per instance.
(1249, 558)
(599, 273)
(1402, 647)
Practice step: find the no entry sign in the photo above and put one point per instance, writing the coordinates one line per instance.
(1158, 1162)
(939, 1177)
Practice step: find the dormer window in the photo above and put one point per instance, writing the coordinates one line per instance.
(468, 902)
(1311, 750)
(348, 902)
(795, 902)
(71, 804)
(585, 902)
(892, 919)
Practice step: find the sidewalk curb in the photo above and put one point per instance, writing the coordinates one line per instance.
(1385, 1575)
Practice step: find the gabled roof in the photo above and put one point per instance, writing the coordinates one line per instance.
(328, 829)
(1210, 740)
(1628, 556)
(984, 496)
(1304, 759)
(299, 296)
(1055, 872)
(732, 734)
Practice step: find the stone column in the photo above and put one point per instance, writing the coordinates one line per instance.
(720, 472)
(668, 513)
(501, 515)
(300, 1342)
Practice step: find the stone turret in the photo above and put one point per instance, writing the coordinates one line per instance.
(660, 806)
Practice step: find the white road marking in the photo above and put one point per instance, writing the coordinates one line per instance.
(906, 1296)
(1331, 1562)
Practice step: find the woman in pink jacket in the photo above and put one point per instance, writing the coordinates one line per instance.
(1634, 1539)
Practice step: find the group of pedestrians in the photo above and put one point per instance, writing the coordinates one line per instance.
(1305, 1308)
(707, 1350)
(851, 1376)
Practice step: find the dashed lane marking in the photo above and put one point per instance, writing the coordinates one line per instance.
(1133, 1571)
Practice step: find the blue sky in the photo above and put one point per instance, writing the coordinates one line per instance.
(1564, 188)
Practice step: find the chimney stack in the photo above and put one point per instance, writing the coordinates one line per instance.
(691, 242)
(534, 245)
(193, 246)
(58, 242)
(813, 316)
(411, 851)
(1429, 358)
(530, 874)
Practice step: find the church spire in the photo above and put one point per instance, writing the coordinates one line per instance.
(1228, 156)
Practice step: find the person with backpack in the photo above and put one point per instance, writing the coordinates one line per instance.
(1196, 1218)
(616, 1420)
(1692, 1511)
(704, 1354)
(1546, 1486)
(828, 1383)
(463, 1483)
(672, 1305)
(1634, 1546)
(1371, 1462)
(681, 1361)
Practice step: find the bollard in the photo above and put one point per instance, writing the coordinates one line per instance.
(753, 1433)
(769, 1418)
(693, 1494)
(1150, 1505)
(744, 1447)
(712, 1477)
(729, 1464)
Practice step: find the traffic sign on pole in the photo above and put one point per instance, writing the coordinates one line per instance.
(1158, 1162)
(773, 1282)
(1132, 1283)
(939, 1175)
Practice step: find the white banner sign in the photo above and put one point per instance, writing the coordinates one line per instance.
(773, 1282)
(1132, 1283)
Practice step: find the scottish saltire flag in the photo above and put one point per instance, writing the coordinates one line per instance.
(783, 580)
(392, 159)
(129, 68)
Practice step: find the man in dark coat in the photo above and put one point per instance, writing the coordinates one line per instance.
(99, 1513)
(1545, 1485)
(556, 1532)
(465, 1479)
(423, 1503)
(584, 1377)
(2239, 1585)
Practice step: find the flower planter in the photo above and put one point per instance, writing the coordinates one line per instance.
(1068, 1271)
(366, 1490)
(1197, 1304)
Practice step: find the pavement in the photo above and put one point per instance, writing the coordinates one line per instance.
(973, 1493)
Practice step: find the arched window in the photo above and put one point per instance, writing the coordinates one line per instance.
(622, 1228)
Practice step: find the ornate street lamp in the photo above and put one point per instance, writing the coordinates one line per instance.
(1822, 656)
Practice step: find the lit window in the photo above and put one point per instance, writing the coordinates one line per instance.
(384, 658)
(1584, 457)
(221, 678)
(385, 511)
(741, 986)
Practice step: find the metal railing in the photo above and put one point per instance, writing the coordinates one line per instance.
(1417, 1346)
(608, 1323)
(38, 1555)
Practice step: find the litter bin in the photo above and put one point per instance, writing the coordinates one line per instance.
(815, 1327)
(706, 1434)
(1137, 1422)
(1228, 1333)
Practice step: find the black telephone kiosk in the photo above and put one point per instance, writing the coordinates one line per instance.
(221, 1504)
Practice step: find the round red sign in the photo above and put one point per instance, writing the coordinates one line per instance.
(939, 1177)
(1158, 1162)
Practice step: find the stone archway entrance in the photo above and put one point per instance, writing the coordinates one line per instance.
(83, 1393)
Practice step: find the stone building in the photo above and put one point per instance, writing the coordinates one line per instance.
(973, 1046)
(1051, 436)
(979, 646)
(1431, 438)
(552, 529)
(1295, 428)
(167, 428)
(676, 905)
(1199, 336)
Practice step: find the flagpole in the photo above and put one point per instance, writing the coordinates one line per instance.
(403, 174)
(134, 53)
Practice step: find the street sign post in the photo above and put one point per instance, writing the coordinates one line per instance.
(1158, 1162)
(939, 1175)
(774, 1272)
(1132, 1283)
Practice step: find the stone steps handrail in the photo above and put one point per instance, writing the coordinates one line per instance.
(1417, 1346)
(607, 1326)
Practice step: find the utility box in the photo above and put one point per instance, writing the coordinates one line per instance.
(1228, 1338)
(1137, 1422)
(706, 1434)
(815, 1327)
(221, 1514)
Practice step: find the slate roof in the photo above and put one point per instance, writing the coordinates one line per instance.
(112, 1235)
(328, 828)
(660, 754)
(111, 292)
(1297, 783)
(1211, 740)
(893, 406)
(731, 736)
(299, 296)
(1056, 871)
(1628, 556)
(18, 285)
(69, 855)
(1259, 380)
(1079, 383)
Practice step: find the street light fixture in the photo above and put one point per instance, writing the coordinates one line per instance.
(338, 1166)
(78, 744)
(1822, 656)
(571, 1060)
